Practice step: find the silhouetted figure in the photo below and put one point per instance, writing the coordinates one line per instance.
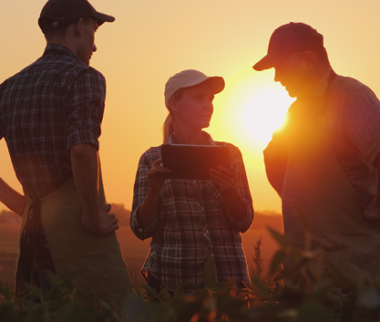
(325, 162)
(191, 220)
(50, 116)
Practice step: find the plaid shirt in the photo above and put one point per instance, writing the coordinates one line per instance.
(192, 223)
(50, 106)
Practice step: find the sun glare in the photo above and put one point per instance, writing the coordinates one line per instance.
(248, 111)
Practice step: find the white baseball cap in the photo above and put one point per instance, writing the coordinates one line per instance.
(188, 78)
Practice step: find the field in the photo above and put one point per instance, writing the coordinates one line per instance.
(314, 298)
(135, 250)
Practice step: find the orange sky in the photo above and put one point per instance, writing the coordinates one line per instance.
(152, 40)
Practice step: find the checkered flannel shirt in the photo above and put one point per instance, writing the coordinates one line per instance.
(53, 104)
(192, 223)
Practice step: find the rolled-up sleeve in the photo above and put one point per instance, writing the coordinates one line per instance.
(362, 123)
(243, 188)
(140, 191)
(86, 108)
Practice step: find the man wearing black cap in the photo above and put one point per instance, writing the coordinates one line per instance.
(50, 116)
(324, 163)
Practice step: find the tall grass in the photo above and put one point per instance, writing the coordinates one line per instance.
(297, 293)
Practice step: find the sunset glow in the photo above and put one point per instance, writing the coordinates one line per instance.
(263, 113)
(248, 112)
(152, 40)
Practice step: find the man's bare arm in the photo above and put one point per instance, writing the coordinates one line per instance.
(85, 166)
(11, 198)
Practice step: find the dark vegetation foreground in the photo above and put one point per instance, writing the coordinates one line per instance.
(325, 296)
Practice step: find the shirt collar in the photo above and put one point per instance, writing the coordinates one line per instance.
(53, 49)
(321, 86)
(209, 140)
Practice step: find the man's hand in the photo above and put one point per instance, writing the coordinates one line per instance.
(11, 198)
(105, 223)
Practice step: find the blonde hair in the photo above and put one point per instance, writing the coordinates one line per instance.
(168, 126)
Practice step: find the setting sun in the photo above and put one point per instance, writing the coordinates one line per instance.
(248, 111)
(262, 114)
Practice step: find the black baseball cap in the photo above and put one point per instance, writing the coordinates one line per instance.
(289, 38)
(60, 13)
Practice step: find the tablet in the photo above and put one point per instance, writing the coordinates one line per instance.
(193, 161)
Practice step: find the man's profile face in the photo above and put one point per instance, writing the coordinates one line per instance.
(87, 44)
(293, 74)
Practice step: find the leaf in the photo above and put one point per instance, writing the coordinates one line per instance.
(281, 275)
(312, 311)
(46, 309)
(179, 290)
(277, 259)
(261, 287)
(339, 278)
(37, 292)
(187, 285)
(52, 278)
(280, 238)
(322, 287)
(150, 290)
(179, 293)
(209, 276)
(108, 312)
(30, 305)
(76, 312)
(6, 292)
(164, 295)
(136, 310)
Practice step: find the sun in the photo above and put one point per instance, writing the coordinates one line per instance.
(263, 113)
(248, 111)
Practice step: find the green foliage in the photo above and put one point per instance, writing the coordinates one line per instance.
(257, 259)
(300, 292)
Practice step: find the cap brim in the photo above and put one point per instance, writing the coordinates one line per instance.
(101, 17)
(269, 61)
(217, 83)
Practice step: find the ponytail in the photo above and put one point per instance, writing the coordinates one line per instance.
(168, 127)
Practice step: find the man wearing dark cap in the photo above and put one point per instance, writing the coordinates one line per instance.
(50, 116)
(324, 163)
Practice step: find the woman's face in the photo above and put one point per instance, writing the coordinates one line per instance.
(194, 107)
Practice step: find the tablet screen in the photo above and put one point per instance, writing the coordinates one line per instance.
(193, 161)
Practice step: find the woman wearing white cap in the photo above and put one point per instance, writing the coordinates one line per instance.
(191, 220)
